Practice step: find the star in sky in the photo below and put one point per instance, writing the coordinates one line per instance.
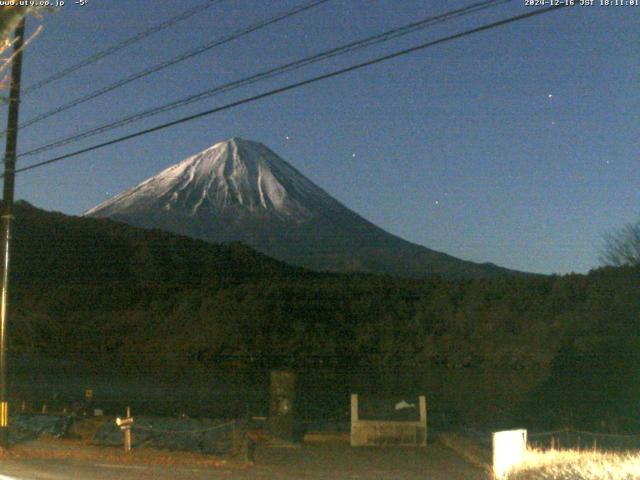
(405, 123)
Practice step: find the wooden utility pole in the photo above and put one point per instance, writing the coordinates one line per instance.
(126, 424)
(7, 218)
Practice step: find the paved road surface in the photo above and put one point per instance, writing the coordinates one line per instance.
(308, 462)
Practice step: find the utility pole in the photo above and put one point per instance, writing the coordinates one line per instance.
(7, 218)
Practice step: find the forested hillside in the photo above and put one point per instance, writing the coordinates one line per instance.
(144, 301)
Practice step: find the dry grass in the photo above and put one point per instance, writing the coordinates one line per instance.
(77, 449)
(577, 465)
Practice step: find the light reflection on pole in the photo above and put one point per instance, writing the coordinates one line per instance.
(7, 218)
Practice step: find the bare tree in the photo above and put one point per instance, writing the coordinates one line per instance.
(622, 247)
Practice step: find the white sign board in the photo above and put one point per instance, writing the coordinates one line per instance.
(508, 450)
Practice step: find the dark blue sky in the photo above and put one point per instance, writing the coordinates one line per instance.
(518, 146)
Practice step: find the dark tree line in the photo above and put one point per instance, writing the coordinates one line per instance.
(140, 301)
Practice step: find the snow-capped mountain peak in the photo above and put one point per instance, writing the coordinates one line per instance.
(239, 190)
(236, 174)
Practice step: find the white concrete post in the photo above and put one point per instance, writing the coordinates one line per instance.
(423, 420)
(509, 448)
(354, 407)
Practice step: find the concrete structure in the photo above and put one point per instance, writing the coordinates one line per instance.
(385, 432)
(283, 388)
(509, 448)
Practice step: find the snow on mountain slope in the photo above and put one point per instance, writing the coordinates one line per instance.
(239, 190)
(231, 175)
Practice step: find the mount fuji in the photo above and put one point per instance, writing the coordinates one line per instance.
(240, 190)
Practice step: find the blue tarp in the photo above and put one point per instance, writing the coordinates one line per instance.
(29, 426)
(202, 435)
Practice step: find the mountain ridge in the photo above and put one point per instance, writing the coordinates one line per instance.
(240, 190)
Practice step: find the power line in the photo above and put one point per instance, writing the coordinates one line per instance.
(173, 61)
(295, 85)
(180, 58)
(119, 46)
(348, 48)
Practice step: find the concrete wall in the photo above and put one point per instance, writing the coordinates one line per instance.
(384, 432)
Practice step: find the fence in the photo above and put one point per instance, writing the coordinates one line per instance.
(212, 436)
(580, 439)
(566, 438)
(202, 435)
(507, 447)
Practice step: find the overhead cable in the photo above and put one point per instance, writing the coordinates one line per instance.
(120, 45)
(295, 85)
(180, 58)
(270, 73)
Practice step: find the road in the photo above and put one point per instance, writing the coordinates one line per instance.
(307, 462)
